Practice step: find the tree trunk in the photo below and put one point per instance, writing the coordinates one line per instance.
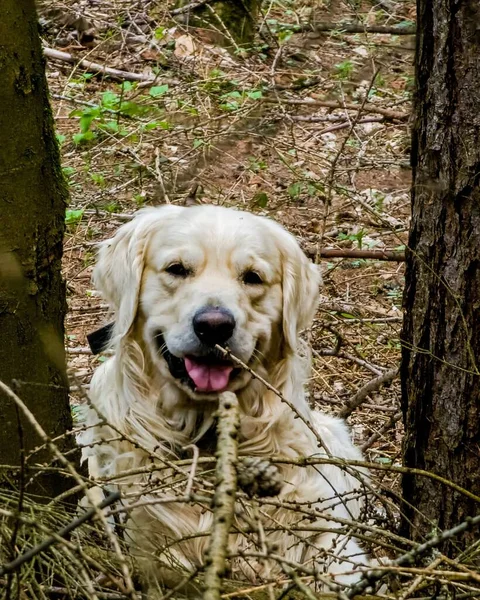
(33, 196)
(441, 334)
(234, 21)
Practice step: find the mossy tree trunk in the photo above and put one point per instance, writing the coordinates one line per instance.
(233, 20)
(33, 197)
(441, 333)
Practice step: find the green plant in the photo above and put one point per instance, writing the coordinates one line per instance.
(73, 217)
(354, 237)
(106, 115)
(256, 164)
(344, 69)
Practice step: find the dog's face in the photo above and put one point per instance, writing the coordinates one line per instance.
(193, 279)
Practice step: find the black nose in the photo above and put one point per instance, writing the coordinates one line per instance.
(213, 325)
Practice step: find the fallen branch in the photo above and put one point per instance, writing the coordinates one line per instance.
(367, 108)
(117, 74)
(395, 256)
(353, 28)
(225, 490)
(363, 393)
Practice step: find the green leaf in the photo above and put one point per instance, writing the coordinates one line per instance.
(156, 125)
(73, 216)
(158, 90)
(127, 86)
(383, 460)
(294, 189)
(85, 122)
(111, 126)
(261, 199)
(230, 106)
(285, 35)
(160, 33)
(110, 99)
(255, 94)
(81, 138)
(198, 142)
(60, 138)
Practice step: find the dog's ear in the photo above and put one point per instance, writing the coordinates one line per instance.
(300, 283)
(119, 270)
(120, 265)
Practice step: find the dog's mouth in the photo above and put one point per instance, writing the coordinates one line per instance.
(207, 374)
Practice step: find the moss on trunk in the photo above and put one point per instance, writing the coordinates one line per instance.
(33, 197)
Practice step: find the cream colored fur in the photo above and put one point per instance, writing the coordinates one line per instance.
(135, 392)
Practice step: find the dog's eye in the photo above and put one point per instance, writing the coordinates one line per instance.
(178, 270)
(252, 278)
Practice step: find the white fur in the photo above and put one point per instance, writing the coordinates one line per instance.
(136, 394)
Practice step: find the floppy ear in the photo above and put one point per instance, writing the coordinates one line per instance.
(119, 270)
(118, 273)
(300, 282)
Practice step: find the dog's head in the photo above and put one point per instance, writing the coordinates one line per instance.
(188, 279)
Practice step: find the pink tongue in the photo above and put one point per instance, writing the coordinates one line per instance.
(208, 378)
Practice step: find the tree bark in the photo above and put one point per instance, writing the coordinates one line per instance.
(33, 197)
(233, 20)
(441, 333)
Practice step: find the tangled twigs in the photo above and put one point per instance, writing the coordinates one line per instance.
(82, 485)
(365, 391)
(87, 515)
(224, 499)
(409, 557)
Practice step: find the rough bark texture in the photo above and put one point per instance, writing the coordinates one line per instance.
(32, 215)
(441, 335)
(238, 17)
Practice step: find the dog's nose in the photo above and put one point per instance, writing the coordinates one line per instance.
(213, 325)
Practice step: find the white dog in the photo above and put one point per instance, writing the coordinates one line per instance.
(182, 280)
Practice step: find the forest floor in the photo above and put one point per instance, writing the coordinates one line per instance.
(310, 128)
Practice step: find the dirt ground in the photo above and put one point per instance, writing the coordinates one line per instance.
(309, 128)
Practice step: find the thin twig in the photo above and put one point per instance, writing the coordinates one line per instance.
(409, 557)
(63, 533)
(378, 434)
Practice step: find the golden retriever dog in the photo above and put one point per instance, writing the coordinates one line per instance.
(182, 281)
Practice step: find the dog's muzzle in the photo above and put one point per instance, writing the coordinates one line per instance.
(209, 373)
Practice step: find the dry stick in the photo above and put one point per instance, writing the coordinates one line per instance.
(345, 253)
(409, 557)
(353, 28)
(375, 436)
(224, 499)
(87, 515)
(99, 68)
(367, 108)
(363, 393)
